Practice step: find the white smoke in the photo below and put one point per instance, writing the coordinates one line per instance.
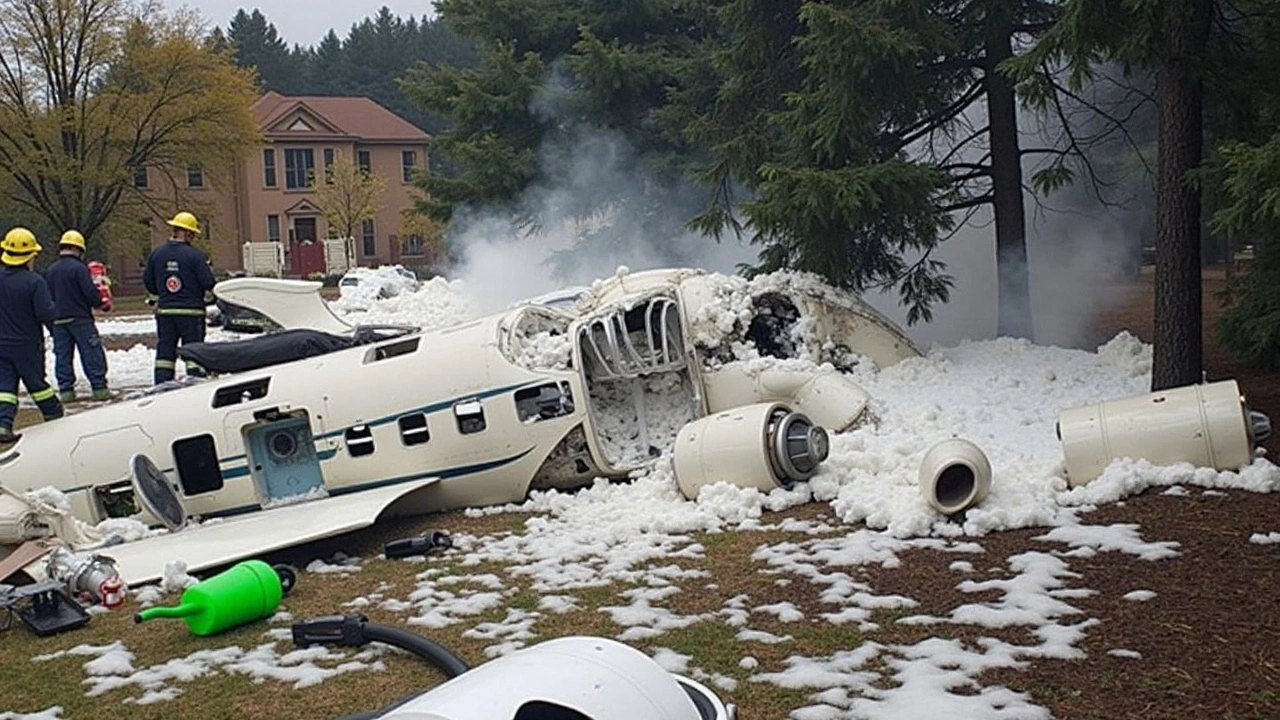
(1080, 241)
(501, 262)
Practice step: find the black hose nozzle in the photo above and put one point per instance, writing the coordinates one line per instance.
(344, 630)
(355, 630)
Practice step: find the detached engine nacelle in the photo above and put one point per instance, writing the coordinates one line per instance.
(1208, 425)
(762, 446)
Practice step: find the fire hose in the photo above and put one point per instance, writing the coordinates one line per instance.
(355, 630)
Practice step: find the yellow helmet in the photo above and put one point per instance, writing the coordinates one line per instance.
(19, 246)
(72, 238)
(186, 221)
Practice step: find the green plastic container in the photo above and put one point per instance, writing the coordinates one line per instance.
(248, 591)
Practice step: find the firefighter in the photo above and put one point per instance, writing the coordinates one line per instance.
(178, 277)
(75, 297)
(25, 305)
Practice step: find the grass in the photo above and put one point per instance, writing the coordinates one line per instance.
(716, 653)
(725, 568)
(128, 305)
(28, 686)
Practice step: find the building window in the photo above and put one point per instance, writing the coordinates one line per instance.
(328, 165)
(273, 228)
(269, 167)
(412, 246)
(140, 177)
(408, 160)
(362, 159)
(299, 168)
(366, 238)
(195, 176)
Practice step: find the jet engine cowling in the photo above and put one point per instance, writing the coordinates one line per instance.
(954, 475)
(762, 446)
(1207, 425)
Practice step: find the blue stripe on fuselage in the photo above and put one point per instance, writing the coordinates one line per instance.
(374, 484)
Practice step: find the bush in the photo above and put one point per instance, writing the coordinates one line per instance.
(1250, 325)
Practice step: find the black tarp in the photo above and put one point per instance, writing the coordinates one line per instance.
(257, 352)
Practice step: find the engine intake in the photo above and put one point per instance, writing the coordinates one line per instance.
(761, 446)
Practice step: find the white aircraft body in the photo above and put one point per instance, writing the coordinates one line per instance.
(543, 395)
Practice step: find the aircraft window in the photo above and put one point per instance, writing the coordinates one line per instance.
(537, 339)
(544, 402)
(196, 459)
(390, 350)
(241, 392)
(413, 429)
(470, 416)
(359, 440)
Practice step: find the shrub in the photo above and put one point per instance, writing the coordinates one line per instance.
(1250, 325)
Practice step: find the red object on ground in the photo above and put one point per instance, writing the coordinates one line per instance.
(98, 274)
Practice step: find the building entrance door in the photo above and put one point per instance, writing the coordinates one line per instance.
(307, 254)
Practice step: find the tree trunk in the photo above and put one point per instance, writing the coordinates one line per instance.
(1178, 351)
(1013, 287)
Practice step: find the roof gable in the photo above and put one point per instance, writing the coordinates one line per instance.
(353, 117)
(296, 117)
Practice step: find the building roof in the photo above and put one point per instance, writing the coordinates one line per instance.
(352, 117)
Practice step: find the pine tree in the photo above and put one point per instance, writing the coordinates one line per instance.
(258, 45)
(864, 133)
(1173, 40)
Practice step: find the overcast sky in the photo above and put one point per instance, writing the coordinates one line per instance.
(304, 23)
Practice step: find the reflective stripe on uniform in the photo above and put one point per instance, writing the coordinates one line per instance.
(44, 394)
(194, 365)
(197, 312)
(11, 398)
(63, 321)
(166, 364)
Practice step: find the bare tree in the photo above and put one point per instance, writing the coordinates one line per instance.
(92, 91)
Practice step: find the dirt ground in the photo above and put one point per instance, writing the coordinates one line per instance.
(1210, 640)
(1134, 313)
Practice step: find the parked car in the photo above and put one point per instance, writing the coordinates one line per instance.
(380, 282)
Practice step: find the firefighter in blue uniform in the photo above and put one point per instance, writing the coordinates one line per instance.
(25, 305)
(76, 297)
(178, 276)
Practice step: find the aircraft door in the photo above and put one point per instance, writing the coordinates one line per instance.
(282, 458)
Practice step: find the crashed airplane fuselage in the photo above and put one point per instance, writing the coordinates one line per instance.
(479, 413)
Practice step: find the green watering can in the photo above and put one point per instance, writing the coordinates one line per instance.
(248, 591)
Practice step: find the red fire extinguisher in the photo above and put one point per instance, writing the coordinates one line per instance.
(98, 273)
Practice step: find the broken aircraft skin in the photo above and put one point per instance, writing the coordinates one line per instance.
(539, 396)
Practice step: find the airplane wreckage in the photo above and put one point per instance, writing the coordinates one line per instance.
(320, 427)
